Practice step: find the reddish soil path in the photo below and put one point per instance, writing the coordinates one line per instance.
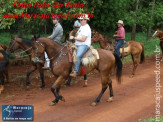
(134, 99)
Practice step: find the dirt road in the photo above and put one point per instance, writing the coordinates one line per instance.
(134, 99)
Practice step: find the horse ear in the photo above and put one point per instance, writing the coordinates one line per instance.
(35, 37)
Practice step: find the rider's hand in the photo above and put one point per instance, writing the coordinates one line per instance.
(114, 35)
(71, 37)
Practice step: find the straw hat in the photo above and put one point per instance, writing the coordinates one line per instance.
(120, 22)
(85, 16)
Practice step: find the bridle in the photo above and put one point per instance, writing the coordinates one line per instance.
(13, 44)
(60, 53)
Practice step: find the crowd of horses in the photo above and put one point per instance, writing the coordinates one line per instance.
(61, 66)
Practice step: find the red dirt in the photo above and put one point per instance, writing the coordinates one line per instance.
(134, 99)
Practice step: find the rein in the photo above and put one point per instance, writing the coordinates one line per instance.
(60, 52)
(13, 44)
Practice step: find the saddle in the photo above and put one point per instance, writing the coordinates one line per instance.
(89, 59)
(125, 44)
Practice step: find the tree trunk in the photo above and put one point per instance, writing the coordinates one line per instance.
(133, 35)
(45, 29)
(20, 28)
(150, 27)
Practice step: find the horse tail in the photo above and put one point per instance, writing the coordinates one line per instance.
(119, 66)
(142, 57)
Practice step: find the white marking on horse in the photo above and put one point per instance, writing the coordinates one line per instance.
(154, 33)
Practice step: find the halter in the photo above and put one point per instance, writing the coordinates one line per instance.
(13, 44)
(59, 52)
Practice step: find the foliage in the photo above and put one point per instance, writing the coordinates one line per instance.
(106, 14)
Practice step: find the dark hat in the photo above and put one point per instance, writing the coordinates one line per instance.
(55, 18)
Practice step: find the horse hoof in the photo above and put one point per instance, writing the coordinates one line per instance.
(93, 104)
(63, 99)
(52, 104)
(110, 99)
(65, 85)
(131, 76)
(85, 85)
(41, 87)
(27, 87)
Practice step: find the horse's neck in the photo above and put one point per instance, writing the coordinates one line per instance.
(24, 46)
(102, 42)
(161, 36)
(52, 50)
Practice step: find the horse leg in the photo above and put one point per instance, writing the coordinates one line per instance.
(111, 91)
(41, 71)
(85, 81)
(28, 74)
(55, 90)
(68, 81)
(135, 60)
(2, 83)
(6, 74)
(104, 80)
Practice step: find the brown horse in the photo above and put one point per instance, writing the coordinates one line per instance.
(136, 49)
(4, 61)
(61, 67)
(26, 45)
(158, 33)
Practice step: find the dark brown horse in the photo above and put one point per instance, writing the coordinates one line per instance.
(158, 33)
(26, 45)
(61, 67)
(136, 49)
(4, 61)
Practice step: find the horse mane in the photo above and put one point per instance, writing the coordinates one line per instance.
(28, 42)
(105, 39)
(51, 41)
(4, 62)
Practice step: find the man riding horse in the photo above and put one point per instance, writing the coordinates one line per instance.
(55, 36)
(82, 41)
(120, 36)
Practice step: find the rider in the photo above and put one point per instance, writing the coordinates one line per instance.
(120, 36)
(82, 41)
(55, 36)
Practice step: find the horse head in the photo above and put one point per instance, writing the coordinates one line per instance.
(13, 45)
(95, 36)
(38, 50)
(157, 33)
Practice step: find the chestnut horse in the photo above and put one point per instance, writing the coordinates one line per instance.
(26, 45)
(158, 33)
(4, 61)
(61, 67)
(136, 49)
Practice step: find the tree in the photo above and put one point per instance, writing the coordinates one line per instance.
(134, 26)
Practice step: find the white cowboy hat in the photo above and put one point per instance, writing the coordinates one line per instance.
(120, 22)
(85, 16)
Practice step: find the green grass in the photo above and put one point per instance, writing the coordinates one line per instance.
(150, 45)
(151, 120)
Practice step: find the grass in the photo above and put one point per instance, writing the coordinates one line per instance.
(150, 45)
(151, 120)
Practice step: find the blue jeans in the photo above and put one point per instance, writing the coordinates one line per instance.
(117, 47)
(82, 49)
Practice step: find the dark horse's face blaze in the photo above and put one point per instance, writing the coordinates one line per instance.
(156, 33)
(38, 50)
